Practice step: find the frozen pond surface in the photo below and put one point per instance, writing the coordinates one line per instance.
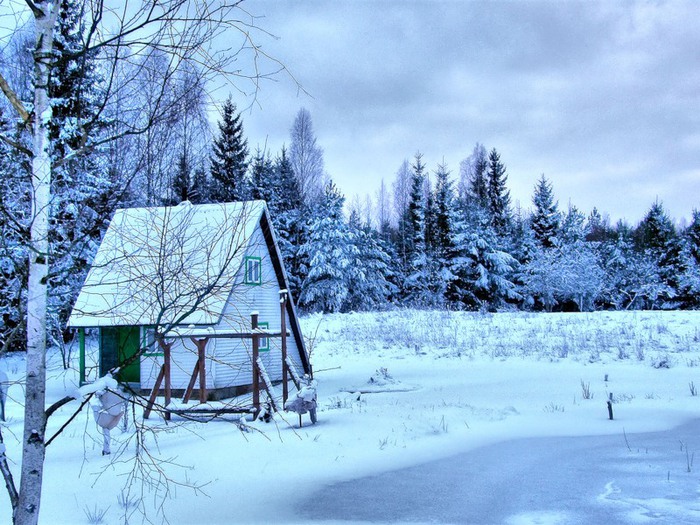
(595, 479)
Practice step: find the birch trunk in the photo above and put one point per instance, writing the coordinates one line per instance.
(34, 448)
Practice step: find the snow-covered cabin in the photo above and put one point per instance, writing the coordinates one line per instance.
(190, 272)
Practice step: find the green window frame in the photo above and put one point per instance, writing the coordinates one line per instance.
(253, 270)
(264, 342)
(148, 340)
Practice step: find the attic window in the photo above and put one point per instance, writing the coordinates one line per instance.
(253, 270)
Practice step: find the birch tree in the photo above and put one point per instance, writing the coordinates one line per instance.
(115, 31)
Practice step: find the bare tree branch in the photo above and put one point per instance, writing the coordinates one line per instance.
(14, 100)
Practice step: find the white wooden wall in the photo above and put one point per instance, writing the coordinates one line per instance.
(229, 360)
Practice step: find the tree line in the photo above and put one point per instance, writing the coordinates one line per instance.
(436, 240)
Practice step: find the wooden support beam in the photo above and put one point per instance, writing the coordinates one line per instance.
(201, 356)
(154, 393)
(190, 385)
(256, 370)
(81, 340)
(166, 372)
(283, 329)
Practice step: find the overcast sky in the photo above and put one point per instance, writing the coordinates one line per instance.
(603, 98)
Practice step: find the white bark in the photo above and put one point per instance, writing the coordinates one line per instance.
(34, 448)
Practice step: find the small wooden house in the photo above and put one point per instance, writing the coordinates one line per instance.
(171, 291)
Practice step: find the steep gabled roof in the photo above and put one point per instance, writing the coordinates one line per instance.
(167, 265)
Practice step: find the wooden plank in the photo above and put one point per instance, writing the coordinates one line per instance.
(283, 329)
(190, 385)
(154, 393)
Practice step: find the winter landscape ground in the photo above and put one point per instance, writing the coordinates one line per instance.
(413, 406)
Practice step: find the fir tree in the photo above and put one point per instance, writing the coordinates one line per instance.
(331, 252)
(370, 275)
(545, 219)
(229, 162)
(199, 190)
(474, 181)
(444, 196)
(498, 194)
(83, 191)
(598, 228)
(416, 210)
(656, 231)
(416, 284)
(479, 273)
(691, 237)
(263, 179)
(182, 187)
(288, 194)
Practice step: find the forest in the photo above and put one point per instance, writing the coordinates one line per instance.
(432, 238)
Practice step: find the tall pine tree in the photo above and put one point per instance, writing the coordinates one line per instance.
(498, 195)
(545, 219)
(229, 162)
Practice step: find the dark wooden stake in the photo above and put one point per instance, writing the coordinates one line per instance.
(283, 329)
(610, 410)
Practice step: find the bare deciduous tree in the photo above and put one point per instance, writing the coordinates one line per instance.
(116, 32)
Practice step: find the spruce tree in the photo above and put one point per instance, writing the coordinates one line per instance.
(444, 196)
(498, 195)
(182, 187)
(370, 275)
(474, 180)
(288, 194)
(656, 231)
(229, 162)
(415, 286)
(199, 190)
(331, 253)
(263, 179)
(416, 210)
(84, 197)
(545, 219)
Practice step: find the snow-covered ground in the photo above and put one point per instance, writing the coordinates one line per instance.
(399, 389)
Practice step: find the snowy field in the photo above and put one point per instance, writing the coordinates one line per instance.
(401, 389)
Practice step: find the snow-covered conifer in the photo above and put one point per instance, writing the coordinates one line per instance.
(545, 218)
(229, 162)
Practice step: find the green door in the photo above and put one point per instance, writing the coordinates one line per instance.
(117, 346)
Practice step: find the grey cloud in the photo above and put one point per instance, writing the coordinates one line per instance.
(599, 92)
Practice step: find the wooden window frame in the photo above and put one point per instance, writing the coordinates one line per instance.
(246, 271)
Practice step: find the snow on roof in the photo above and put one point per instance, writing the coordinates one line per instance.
(166, 265)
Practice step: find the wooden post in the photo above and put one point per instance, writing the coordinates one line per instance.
(81, 340)
(610, 410)
(283, 329)
(201, 345)
(256, 371)
(166, 372)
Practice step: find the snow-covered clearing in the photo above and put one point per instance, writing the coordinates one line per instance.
(442, 384)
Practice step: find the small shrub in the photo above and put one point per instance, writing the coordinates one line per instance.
(586, 390)
(693, 389)
(127, 502)
(95, 516)
(552, 407)
(662, 361)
